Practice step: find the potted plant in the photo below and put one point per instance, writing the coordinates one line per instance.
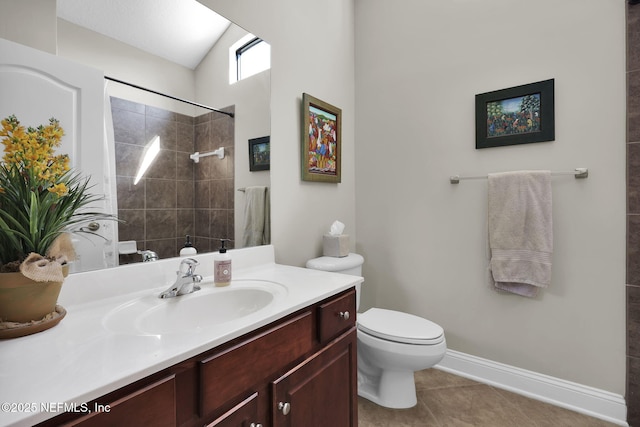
(41, 199)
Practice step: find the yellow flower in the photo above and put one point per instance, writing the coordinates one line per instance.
(32, 148)
(59, 189)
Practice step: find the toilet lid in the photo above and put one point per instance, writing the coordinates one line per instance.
(400, 327)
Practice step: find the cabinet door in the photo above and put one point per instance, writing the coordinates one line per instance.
(321, 391)
(244, 414)
(153, 405)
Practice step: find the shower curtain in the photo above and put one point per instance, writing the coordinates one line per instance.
(110, 230)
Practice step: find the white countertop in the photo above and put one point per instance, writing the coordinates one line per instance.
(80, 359)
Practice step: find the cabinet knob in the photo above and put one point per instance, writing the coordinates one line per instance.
(285, 407)
(255, 425)
(344, 315)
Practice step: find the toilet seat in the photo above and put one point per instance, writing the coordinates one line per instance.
(400, 327)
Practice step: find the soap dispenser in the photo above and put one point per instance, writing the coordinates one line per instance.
(188, 248)
(222, 266)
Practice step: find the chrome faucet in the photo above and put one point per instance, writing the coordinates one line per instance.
(148, 255)
(186, 281)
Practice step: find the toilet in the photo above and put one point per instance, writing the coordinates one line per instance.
(391, 345)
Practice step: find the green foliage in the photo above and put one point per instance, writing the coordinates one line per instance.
(32, 217)
(40, 197)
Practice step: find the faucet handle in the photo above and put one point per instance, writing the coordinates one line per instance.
(190, 265)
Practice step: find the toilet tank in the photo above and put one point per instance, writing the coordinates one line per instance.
(350, 264)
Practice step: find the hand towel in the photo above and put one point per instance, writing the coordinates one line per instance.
(520, 231)
(257, 217)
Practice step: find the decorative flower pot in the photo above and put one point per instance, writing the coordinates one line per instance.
(27, 306)
(24, 300)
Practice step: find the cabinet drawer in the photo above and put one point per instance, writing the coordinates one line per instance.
(336, 316)
(153, 405)
(228, 374)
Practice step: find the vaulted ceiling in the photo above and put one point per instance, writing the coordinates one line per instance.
(182, 31)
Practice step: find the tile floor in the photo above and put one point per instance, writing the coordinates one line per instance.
(449, 400)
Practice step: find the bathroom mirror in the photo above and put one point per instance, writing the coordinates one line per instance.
(177, 196)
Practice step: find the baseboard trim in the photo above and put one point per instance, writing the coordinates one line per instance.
(587, 400)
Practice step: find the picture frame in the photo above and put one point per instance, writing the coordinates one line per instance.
(260, 154)
(321, 147)
(516, 115)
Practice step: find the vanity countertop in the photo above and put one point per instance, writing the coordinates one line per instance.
(80, 359)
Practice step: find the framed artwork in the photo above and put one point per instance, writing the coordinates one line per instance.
(517, 115)
(321, 141)
(259, 154)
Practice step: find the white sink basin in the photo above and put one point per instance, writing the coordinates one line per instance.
(209, 307)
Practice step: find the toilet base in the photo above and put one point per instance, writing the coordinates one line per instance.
(394, 389)
(386, 369)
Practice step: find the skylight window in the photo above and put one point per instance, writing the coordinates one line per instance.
(250, 55)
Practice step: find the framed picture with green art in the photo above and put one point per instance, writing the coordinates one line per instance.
(517, 115)
(260, 154)
(321, 147)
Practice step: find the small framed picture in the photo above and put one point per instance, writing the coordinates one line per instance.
(517, 115)
(259, 154)
(321, 141)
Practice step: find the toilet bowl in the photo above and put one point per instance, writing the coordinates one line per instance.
(392, 345)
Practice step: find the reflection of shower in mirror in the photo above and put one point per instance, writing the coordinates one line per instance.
(148, 103)
(174, 196)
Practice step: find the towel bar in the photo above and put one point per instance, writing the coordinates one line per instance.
(578, 173)
(242, 189)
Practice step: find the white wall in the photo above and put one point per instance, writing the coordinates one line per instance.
(129, 64)
(312, 50)
(418, 67)
(29, 22)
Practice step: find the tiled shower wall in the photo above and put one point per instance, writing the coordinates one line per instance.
(633, 215)
(214, 183)
(176, 197)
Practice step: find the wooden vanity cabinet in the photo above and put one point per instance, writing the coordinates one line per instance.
(299, 370)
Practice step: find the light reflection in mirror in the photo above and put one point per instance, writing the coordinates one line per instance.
(151, 151)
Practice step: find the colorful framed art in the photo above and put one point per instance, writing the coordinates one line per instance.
(321, 146)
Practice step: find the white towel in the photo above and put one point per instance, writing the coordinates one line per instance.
(520, 231)
(257, 217)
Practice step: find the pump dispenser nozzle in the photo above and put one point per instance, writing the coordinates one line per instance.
(188, 248)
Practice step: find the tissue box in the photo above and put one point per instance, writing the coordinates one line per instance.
(336, 246)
